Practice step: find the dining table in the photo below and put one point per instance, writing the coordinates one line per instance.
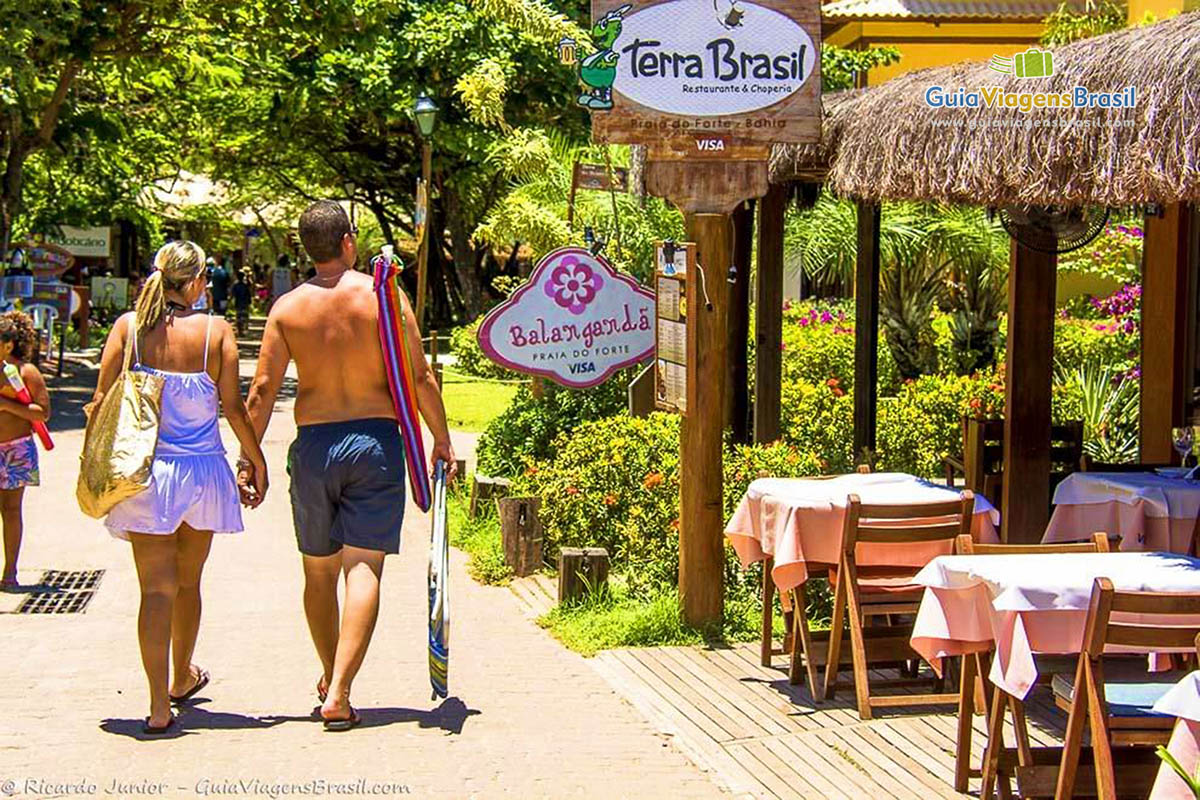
(1017, 607)
(798, 522)
(1154, 511)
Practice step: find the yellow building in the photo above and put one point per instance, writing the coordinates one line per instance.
(932, 33)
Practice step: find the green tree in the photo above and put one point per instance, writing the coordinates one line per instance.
(325, 109)
(85, 84)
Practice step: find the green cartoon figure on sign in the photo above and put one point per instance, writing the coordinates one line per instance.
(599, 70)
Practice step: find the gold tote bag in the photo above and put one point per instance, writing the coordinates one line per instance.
(119, 443)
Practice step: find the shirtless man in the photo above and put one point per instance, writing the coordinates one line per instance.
(347, 463)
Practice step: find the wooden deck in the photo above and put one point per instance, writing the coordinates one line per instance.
(762, 738)
(759, 737)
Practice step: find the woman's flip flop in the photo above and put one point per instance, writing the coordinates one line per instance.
(151, 730)
(202, 677)
(339, 725)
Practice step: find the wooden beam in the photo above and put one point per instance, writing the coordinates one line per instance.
(866, 328)
(1168, 265)
(739, 323)
(768, 311)
(1029, 374)
(701, 542)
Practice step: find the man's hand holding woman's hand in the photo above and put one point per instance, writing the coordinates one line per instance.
(252, 482)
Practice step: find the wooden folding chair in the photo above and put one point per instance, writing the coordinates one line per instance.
(1117, 708)
(862, 593)
(972, 696)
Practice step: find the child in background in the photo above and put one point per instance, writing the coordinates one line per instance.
(18, 453)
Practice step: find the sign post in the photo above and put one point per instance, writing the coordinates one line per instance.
(707, 87)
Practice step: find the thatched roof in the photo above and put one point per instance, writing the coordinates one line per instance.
(886, 143)
(810, 162)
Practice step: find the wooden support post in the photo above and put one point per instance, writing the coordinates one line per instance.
(537, 387)
(866, 329)
(521, 533)
(1167, 290)
(738, 401)
(768, 311)
(1029, 374)
(581, 570)
(485, 488)
(701, 544)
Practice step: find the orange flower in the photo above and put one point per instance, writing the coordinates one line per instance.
(610, 499)
(831, 382)
(652, 480)
(572, 490)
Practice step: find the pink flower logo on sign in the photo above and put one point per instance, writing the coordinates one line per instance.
(573, 284)
(576, 320)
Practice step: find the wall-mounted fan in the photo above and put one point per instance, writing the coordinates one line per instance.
(1053, 229)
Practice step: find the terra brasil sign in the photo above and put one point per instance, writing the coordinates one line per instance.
(576, 321)
(661, 69)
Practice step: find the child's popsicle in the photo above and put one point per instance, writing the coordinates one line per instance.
(14, 380)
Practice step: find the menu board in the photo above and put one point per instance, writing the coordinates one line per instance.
(672, 266)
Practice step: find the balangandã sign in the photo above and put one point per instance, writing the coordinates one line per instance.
(576, 321)
(703, 69)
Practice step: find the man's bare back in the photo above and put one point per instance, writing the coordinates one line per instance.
(331, 331)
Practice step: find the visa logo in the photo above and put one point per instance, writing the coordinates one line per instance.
(582, 367)
(710, 145)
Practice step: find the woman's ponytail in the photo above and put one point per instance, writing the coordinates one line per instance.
(151, 303)
(176, 264)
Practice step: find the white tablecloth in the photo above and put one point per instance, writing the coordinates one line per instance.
(877, 488)
(1026, 604)
(1183, 702)
(1175, 498)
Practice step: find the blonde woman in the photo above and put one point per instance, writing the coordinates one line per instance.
(192, 493)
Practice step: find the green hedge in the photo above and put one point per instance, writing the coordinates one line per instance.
(526, 431)
(469, 355)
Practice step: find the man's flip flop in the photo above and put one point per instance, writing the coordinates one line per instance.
(201, 682)
(339, 725)
(151, 730)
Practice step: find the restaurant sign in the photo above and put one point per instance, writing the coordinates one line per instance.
(576, 321)
(670, 68)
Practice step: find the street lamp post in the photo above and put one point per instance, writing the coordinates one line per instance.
(425, 113)
(349, 187)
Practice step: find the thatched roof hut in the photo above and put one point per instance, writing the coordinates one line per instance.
(888, 144)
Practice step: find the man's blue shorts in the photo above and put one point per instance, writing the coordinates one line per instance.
(347, 486)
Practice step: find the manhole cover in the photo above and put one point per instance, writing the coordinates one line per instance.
(62, 592)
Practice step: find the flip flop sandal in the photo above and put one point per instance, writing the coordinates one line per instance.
(201, 681)
(150, 730)
(340, 725)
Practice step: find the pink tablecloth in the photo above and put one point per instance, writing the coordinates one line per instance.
(1025, 604)
(1183, 702)
(1138, 530)
(1148, 510)
(799, 521)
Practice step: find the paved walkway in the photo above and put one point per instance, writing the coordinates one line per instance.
(527, 718)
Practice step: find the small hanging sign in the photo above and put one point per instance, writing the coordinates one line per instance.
(674, 262)
(576, 321)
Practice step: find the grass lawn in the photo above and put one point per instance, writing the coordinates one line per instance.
(471, 404)
(613, 619)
